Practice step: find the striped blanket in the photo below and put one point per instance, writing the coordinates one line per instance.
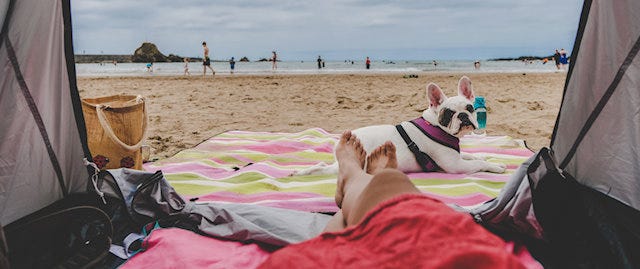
(254, 167)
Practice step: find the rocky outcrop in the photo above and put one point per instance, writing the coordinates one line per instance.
(244, 59)
(175, 58)
(148, 52)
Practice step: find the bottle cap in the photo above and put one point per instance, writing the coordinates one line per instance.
(478, 102)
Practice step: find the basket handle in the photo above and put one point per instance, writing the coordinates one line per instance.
(109, 131)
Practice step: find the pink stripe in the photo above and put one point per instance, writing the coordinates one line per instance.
(241, 158)
(272, 147)
(184, 167)
(324, 204)
(252, 198)
(220, 174)
(465, 200)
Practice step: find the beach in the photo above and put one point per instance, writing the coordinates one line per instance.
(184, 111)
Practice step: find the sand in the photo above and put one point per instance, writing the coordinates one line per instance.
(184, 111)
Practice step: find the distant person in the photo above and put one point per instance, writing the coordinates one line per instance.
(476, 65)
(319, 62)
(545, 61)
(186, 67)
(322, 63)
(232, 64)
(206, 61)
(564, 60)
(435, 64)
(115, 62)
(274, 58)
(150, 67)
(367, 63)
(556, 59)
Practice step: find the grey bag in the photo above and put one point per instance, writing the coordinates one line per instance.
(512, 211)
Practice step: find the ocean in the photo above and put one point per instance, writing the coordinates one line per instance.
(311, 67)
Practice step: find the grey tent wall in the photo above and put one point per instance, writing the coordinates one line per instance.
(42, 140)
(597, 133)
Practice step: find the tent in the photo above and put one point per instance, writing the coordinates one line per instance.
(42, 135)
(596, 139)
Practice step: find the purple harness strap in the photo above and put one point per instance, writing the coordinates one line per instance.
(436, 134)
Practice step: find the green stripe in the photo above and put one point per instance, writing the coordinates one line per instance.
(193, 189)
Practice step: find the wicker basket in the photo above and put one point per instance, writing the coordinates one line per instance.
(116, 129)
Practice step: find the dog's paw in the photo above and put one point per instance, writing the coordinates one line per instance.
(496, 168)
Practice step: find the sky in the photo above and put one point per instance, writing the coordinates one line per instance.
(335, 29)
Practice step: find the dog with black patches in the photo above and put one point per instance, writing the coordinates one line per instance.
(428, 143)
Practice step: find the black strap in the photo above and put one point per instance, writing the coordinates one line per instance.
(36, 115)
(422, 158)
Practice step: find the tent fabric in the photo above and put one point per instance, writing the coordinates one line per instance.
(41, 149)
(598, 128)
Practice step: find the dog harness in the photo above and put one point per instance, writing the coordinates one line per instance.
(436, 134)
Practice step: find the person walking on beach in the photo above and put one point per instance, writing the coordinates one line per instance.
(150, 67)
(232, 64)
(556, 58)
(367, 63)
(186, 67)
(319, 62)
(206, 61)
(274, 58)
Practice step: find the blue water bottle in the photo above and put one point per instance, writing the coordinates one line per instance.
(481, 112)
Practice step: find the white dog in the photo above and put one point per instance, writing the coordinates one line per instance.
(428, 143)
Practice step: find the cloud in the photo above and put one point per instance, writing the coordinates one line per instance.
(300, 29)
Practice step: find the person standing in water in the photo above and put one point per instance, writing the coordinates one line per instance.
(319, 62)
(206, 61)
(232, 64)
(274, 58)
(367, 63)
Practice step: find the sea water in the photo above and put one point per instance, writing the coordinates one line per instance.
(311, 67)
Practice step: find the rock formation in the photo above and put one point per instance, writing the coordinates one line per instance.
(148, 52)
(244, 59)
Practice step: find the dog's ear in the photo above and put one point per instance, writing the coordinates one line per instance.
(465, 89)
(435, 94)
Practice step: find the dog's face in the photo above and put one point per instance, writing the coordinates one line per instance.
(454, 115)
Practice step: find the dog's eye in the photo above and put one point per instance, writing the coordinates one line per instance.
(470, 108)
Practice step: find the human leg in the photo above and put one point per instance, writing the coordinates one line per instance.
(359, 192)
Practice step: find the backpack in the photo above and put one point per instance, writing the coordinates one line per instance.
(563, 223)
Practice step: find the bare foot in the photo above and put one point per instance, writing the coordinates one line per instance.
(350, 157)
(382, 157)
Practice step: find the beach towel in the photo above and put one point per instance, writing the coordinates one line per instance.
(254, 168)
(178, 248)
